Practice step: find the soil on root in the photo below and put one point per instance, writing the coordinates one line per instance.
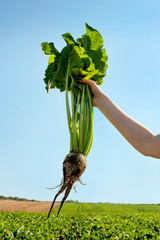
(73, 167)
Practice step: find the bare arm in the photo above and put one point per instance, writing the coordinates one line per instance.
(136, 134)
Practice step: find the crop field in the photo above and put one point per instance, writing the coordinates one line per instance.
(84, 221)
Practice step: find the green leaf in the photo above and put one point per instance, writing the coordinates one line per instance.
(61, 72)
(81, 65)
(75, 55)
(50, 72)
(86, 56)
(68, 38)
(49, 77)
(99, 58)
(78, 72)
(92, 39)
(49, 48)
(51, 58)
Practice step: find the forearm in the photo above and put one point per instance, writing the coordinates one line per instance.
(136, 134)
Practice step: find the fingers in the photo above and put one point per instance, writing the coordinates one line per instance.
(94, 89)
(87, 81)
(92, 84)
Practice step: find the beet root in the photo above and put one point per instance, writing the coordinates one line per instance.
(73, 167)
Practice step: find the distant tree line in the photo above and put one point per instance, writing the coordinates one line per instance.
(32, 200)
(15, 198)
(72, 201)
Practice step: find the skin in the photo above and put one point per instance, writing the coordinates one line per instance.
(136, 134)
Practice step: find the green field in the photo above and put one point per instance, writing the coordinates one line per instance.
(105, 208)
(84, 221)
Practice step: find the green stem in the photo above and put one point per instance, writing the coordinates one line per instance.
(89, 138)
(81, 130)
(68, 108)
(86, 118)
(75, 107)
(81, 121)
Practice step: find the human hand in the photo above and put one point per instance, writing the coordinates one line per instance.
(96, 91)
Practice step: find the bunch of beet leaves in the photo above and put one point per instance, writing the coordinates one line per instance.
(84, 58)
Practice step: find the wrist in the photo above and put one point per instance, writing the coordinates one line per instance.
(100, 100)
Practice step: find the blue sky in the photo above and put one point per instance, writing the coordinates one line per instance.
(34, 136)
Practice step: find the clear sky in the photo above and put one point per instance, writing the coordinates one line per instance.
(34, 137)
